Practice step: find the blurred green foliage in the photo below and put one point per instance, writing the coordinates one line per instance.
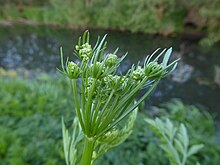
(143, 146)
(165, 17)
(25, 2)
(30, 117)
(30, 126)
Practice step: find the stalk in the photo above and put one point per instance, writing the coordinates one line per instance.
(77, 104)
(87, 151)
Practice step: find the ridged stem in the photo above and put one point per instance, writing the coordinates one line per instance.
(87, 151)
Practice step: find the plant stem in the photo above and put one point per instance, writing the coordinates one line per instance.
(87, 151)
(77, 104)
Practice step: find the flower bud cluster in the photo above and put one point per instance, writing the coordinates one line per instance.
(105, 95)
(105, 85)
(115, 83)
(85, 51)
(154, 70)
(89, 87)
(138, 74)
(73, 70)
(111, 60)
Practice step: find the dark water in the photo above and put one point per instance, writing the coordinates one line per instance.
(195, 81)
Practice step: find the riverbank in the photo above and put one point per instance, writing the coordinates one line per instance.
(188, 34)
(167, 18)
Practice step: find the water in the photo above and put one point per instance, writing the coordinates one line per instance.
(195, 81)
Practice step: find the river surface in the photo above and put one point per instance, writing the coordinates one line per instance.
(195, 81)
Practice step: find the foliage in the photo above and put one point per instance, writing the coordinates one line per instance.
(70, 12)
(103, 97)
(165, 17)
(115, 136)
(30, 120)
(73, 143)
(142, 146)
(211, 14)
(32, 97)
(145, 16)
(35, 137)
(175, 141)
(70, 142)
(191, 116)
(25, 2)
(27, 141)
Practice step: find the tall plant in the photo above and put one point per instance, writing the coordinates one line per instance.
(104, 98)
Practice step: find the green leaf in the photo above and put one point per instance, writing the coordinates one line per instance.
(183, 136)
(70, 142)
(174, 140)
(115, 136)
(179, 146)
(166, 57)
(66, 142)
(194, 149)
(171, 153)
(170, 130)
(150, 121)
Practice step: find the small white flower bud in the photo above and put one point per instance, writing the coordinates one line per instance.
(111, 60)
(73, 71)
(137, 74)
(85, 51)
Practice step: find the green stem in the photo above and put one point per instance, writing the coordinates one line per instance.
(87, 151)
(130, 109)
(88, 108)
(77, 104)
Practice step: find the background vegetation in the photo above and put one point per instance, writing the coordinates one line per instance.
(198, 18)
(30, 126)
(31, 109)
